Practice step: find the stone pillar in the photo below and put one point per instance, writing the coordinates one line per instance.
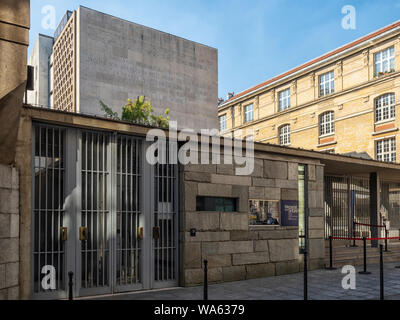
(373, 205)
(14, 41)
(9, 233)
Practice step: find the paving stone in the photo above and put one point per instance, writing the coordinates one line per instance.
(323, 285)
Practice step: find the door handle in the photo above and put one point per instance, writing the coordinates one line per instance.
(156, 233)
(63, 233)
(140, 234)
(83, 233)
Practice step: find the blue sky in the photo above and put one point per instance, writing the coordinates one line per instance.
(256, 39)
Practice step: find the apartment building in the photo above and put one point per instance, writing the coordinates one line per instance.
(345, 101)
(96, 56)
(42, 49)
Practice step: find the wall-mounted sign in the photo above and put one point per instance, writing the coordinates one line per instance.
(290, 213)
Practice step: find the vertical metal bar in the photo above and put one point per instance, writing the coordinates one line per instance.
(130, 228)
(120, 208)
(86, 206)
(98, 208)
(137, 208)
(305, 282)
(131, 214)
(382, 293)
(162, 231)
(52, 199)
(46, 203)
(167, 167)
(104, 235)
(91, 211)
(60, 205)
(39, 206)
(330, 254)
(365, 257)
(205, 293)
(70, 285)
(126, 210)
(156, 222)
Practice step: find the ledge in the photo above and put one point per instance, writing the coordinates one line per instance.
(327, 144)
(270, 228)
(385, 131)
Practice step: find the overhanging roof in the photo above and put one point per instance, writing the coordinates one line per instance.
(334, 163)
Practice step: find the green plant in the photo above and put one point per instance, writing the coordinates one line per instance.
(139, 111)
(108, 112)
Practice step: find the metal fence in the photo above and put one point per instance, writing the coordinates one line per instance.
(346, 200)
(390, 204)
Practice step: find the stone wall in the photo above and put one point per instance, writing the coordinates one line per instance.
(235, 250)
(9, 233)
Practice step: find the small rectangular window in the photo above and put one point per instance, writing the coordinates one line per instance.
(284, 135)
(248, 113)
(216, 204)
(284, 99)
(327, 123)
(222, 123)
(326, 84)
(386, 150)
(384, 61)
(385, 107)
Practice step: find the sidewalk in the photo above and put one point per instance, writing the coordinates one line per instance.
(322, 285)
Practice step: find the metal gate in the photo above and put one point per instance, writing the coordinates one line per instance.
(101, 211)
(346, 200)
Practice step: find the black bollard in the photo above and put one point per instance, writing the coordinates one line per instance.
(205, 297)
(381, 271)
(330, 255)
(365, 257)
(354, 234)
(70, 284)
(386, 240)
(305, 276)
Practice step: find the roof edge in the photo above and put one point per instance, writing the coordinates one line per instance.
(312, 62)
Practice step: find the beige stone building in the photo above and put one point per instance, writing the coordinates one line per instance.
(345, 101)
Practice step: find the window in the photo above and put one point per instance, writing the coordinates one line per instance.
(262, 212)
(222, 123)
(284, 135)
(385, 107)
(284, 99)
(386, 150)
(326, 123)
(248, 113)
(384, 61)
(216, 204)
(326, 84)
